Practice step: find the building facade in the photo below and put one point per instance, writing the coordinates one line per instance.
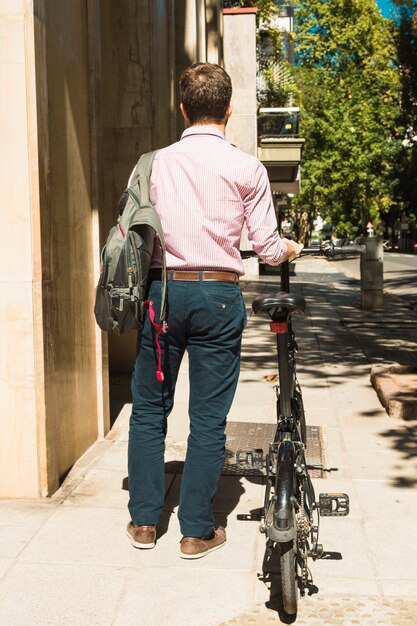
(86, 87)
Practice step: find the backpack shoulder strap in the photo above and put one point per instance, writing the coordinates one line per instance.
(144, 170)
(141, 175)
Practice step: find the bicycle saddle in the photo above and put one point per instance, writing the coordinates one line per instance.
(279, 306)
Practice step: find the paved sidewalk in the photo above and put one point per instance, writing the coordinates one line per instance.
(67, 561)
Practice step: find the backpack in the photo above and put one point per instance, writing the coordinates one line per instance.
(126, 258)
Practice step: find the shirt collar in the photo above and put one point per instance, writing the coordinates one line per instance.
(203, 130)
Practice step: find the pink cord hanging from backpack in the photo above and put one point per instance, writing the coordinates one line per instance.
(162, 329)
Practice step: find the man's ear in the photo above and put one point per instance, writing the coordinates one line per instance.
(229, 110)
(184, 112)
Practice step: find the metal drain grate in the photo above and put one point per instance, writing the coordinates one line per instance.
(249, 435)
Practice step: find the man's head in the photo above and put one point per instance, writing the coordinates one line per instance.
(205, 92)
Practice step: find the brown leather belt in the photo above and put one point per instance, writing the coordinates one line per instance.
(196, 275)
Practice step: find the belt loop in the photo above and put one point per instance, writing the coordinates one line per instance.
(200, 274)
(170, 274)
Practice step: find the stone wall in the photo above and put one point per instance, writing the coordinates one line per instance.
(86, 86)
(19, 268)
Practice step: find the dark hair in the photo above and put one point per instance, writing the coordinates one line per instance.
(205, 91)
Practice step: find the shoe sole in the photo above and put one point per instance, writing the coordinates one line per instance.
(201, 554)
(141, 546)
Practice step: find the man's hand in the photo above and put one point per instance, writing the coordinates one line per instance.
(294, 249)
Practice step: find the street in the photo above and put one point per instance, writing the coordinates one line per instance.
(400, 274)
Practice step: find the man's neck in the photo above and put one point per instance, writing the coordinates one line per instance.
(221, 127)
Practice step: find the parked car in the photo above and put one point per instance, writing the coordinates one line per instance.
(389, 246)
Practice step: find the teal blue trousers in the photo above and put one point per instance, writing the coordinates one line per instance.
(207, 319)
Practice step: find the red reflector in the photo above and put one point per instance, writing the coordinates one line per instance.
(279, 327)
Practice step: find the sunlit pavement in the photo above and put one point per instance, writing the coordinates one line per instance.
(68, 561)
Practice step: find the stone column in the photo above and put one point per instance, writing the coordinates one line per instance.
(239, 48)
(21, 339)
(239, 45)
(372, 280)
(48, 368)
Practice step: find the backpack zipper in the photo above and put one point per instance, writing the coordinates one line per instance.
(131, 279)
(135, 259)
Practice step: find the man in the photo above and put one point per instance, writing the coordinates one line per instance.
(204, 190)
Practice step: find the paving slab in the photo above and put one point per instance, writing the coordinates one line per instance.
(378, 499)
(399, 588)
(58, 594)
(19, 522)
(5, 565)
(101, 487)
(393, 548)
(115, 458)
(186, 597)
(346, 544)
(78, 535)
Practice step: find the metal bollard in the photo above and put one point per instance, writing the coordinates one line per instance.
(372, 274)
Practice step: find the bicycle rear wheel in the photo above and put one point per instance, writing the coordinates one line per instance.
(289, 583)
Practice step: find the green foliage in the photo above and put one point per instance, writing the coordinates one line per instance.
(406, 166)
(355, 80)
(348, 89)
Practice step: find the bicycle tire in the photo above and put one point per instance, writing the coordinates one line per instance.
(289, 582)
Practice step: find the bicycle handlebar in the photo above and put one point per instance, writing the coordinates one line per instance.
(328, 250)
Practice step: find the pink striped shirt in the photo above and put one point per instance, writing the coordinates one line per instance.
(204, 190)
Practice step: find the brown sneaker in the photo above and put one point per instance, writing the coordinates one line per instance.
(195, 547)
(143, 537)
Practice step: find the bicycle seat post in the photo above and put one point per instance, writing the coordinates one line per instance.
(281, 330)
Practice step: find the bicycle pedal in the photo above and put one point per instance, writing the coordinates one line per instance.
(333, 504)
(249, 517)
(251, 459)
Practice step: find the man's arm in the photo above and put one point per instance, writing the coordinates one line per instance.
(261, 222)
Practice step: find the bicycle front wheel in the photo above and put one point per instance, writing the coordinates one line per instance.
(289, 581)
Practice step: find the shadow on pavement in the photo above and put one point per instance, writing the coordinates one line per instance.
(338, 341)
(229, 492)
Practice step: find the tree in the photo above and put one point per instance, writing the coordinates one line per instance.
(348, 89)
(406, 41)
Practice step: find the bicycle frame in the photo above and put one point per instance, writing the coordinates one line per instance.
(290, 517)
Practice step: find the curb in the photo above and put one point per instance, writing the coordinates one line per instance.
(396, 387)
